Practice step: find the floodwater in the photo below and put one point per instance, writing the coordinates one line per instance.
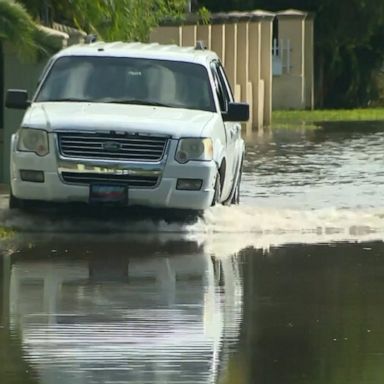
(288, 287)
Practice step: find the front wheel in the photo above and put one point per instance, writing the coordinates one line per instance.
(16, 203)
(236, 194)
(217, 195)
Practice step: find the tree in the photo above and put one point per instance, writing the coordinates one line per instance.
(17, 27)
(129, 20)
(348, 42)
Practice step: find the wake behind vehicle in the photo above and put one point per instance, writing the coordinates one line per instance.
(131, 124)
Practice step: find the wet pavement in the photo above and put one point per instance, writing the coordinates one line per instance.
(286, 288)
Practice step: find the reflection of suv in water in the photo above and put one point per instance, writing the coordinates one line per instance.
(129, 123)
(156, 312)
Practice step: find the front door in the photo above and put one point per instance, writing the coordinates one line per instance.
(232, 129)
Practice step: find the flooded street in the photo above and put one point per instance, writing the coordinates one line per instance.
(286, 288)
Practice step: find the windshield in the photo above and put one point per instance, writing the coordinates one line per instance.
(128, 80)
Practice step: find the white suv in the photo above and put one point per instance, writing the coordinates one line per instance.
(131, 124)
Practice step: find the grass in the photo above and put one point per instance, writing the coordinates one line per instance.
(287, 118)
(5, 233)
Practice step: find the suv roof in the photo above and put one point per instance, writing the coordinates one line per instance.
(150, 51)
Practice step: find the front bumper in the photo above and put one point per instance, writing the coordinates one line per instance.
(163, 195)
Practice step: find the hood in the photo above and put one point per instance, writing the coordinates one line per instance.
(175, 122)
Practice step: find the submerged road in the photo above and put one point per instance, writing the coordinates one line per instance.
(287, 287)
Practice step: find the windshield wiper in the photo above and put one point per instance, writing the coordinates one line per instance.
(73, 99)
(117, 101)
(140, 102)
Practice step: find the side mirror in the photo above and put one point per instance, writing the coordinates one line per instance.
(17, 99)
(237, 112)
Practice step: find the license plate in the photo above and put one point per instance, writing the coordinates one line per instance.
(114, 194)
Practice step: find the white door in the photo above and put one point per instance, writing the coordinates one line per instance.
(232, 129)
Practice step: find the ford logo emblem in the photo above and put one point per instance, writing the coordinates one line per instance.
(111, 146)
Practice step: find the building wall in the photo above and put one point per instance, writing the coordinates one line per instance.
(257, 84)
(266, 69)
(309, 64)
(218, 40)
(243, 44)
(288, 92)
(293, 87)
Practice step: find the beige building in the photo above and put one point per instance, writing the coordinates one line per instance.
(293, 61)
(268, 56)
(243, 41)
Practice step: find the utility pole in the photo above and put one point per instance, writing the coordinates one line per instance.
(189, 6)
(45, 13)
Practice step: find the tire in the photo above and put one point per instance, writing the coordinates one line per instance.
(236, 194)
(234, 197)
(217, 195)
(16, 203)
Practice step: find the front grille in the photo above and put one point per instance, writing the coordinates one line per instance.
(92, 178)
(112, 146)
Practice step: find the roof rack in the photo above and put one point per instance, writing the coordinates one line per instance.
(89, 39)
(200, 45)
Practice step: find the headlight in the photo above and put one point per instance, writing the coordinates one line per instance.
(33, 140)
(194, 149)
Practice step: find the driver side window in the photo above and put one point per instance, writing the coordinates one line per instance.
(224, 80)
(221, 92)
